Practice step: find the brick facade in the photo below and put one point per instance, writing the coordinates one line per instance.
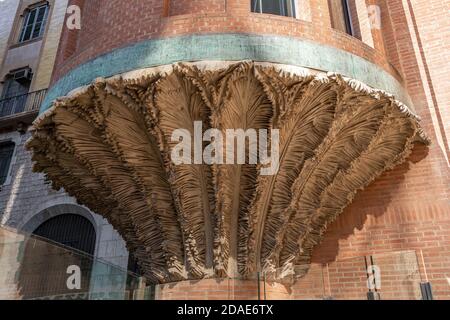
(118, 24)
(407, 209)
(26, 199)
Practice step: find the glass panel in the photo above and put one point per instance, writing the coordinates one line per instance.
(36, 269)
(37, 30)
(34, 23)
(24, 25)
(27, 33)
(6, 153)
(14, 88)
(383, 276)
(29, 264)
(44, 21)
(340, 15)
(256, 6)
(273, 7)
(277, 7)
(41, 14)
(32, 17)
(387, 276)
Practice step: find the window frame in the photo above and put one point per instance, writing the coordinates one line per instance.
(7, 176)
(348, 18)
(341, 16)
(290, 4)
(26, 22)
(9, 80)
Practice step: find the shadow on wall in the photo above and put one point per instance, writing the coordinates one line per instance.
(355, 215)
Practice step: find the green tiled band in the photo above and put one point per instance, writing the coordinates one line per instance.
(227, 47)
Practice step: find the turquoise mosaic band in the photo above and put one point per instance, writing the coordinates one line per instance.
(227, 47)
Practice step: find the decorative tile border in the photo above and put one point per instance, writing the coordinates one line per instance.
(227, 47)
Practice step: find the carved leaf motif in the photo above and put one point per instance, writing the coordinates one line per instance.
(110, 146)
(307, 112)
(244, 108)
(391, 145)
(339, 149)
(180, 106)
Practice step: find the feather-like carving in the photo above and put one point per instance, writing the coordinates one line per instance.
(244, 108)
(306, 112)
(99, 156)
(356, 122)
(391, 145)
(110, 145)
(180, 106)
(90, 191)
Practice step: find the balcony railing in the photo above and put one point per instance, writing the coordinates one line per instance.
(24, 103)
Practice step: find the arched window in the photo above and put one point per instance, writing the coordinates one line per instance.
(278, 7)
(70, 230)
(57, 244)
(34, 20)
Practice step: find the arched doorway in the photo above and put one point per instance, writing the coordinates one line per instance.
(58, 243)
(70, 230)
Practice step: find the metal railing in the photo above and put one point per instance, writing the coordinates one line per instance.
(24, 103)
(32, 267)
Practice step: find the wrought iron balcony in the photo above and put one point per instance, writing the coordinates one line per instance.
(22, 104)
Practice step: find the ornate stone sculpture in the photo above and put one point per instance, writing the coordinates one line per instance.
(109, 146)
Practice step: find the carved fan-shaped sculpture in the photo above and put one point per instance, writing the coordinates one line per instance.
(109, 145)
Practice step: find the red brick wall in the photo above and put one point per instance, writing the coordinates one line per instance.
(407, 208)
(69, 42)
(90, 13)
(180, 7)
(118, 24)
(399, 279)
(221, 289)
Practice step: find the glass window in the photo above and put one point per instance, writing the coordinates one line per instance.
(34, 23)
(13, 87)
(13, 97)
(341, 15)
(6, 153)
(278, 7)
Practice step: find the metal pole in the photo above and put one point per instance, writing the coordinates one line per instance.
(425, 287)
(259, 287)
(264, 279)
(374, 275)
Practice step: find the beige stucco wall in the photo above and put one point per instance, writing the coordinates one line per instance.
(38, 55)
(20, 57)
(48, 53)
(8, 9)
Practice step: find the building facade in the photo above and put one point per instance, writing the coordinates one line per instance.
(357, 90)
(29, 39)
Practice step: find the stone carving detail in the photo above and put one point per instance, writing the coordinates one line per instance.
(109, 146)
